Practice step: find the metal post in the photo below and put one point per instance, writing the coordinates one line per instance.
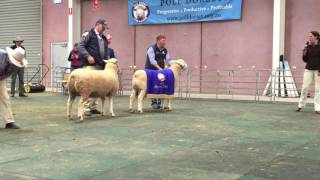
(70, 25)
(278, 34)
(231, 84)
(259, 80)
(218, 82)
(134, 46)
(188, 94)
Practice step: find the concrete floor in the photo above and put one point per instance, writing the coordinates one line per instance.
(199, 140)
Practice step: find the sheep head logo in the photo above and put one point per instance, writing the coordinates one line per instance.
(140, 11)
(161, 77)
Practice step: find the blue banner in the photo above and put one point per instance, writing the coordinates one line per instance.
(182, 11)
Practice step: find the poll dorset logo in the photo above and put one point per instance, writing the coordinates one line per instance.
(140, 11)
(161, 77)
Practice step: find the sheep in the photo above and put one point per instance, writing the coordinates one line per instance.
(139, 85)
(140, 12)
(93, 83)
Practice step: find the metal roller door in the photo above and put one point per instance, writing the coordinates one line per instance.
(22, 18)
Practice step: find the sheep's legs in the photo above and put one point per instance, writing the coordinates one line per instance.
(69, 106)
(102, 105)
(140, 100)
(162, 104)
(169, 105)
(111, 106)
(132, 98)
(81, 108)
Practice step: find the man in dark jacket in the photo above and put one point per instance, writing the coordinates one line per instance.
(110, 50)
(157, 58)
(311, 56)
(93, 48)
(19, 72)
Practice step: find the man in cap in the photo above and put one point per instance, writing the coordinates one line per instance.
(10, 61)
(19, 72)
(93, 48)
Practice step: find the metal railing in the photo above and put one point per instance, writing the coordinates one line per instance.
(58, 76)
(33, 74)
(249, 84)
(244, 82)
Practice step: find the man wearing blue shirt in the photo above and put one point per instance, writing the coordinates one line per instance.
(157, 58)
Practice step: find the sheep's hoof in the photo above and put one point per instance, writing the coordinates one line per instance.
(113, 115)
(131, 110)
(166, 109)
(140, 111)
(69, 119)
(79, 121)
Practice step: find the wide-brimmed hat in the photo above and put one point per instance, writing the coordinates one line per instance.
(17, 56)
(18, 39)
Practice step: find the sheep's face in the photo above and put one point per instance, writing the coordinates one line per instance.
(140, 12)
(112, 60)
(181, 63)
(111, 63)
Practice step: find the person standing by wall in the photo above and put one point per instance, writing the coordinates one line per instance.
(157, 57)
(10, 61)
(311, 56)
(74, 58)
(93, 48)
(19, 71)
(110, 50)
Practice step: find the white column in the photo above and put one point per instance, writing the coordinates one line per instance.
(70, 25)
(278, 31)
(279, 8)
(74, 22)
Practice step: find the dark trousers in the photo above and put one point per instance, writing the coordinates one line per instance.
(74, 68)
(20, 73)
(156, 102)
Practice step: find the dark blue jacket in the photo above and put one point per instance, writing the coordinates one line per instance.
(111, 53)
(89, 46)
(160, 57)
(312, 57)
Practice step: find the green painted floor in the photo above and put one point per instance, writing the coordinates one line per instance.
(198, 140)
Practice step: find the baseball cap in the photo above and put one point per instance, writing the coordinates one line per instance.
(103, 22)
